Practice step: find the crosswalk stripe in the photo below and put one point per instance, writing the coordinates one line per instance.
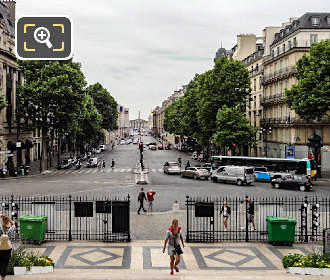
(88, 171)
(160, 170)
(129, 169)
(123, 170)
(94, 171)
(108, 170)
(116, 170)
(153, 170)
(81, 171)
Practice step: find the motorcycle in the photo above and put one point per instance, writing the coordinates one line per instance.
(78, 165)
(3, 173)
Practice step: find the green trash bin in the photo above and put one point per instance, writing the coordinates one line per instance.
(281, 230)
(33, 228)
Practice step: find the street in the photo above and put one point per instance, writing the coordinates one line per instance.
(121, 181)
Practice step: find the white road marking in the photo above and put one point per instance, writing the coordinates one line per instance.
(94, 171)
(123, 170)
(88, 171)
(129, 169)
(160, 169)
(153, 170)
(109, 170)
(116, 170)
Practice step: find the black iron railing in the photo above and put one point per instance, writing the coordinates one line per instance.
(206, 224)
(74, 217)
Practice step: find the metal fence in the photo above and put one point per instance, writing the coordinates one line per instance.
(205, 223)
(74, 218)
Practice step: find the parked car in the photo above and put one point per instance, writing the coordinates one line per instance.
(153, 147)
(135, 141)
(184, 148)
(168, 147)
(207, 166)
(92, 162)
(65, 164)
(296, 182)
(83, 157)
(122, 142)
(152, 143)
(234, 174)
(172, 168)
(160, 147)
(98, 151)
(194, 155)
(102, 147)
(128, 141)
(196, 173)
(74, 160)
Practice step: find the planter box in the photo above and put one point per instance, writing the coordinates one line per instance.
(20, 270)
(41, 269)
(309, 271)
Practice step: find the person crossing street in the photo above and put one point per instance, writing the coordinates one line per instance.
(150, 196)
(112, 164)
(141, 198)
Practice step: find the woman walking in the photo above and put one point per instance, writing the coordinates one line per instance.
(173, 237)
(7, 231)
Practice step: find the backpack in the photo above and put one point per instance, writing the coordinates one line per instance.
(5, 243)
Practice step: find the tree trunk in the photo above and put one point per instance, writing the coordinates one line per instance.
(43, 150)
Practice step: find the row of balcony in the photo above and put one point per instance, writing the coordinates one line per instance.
(277, 98)
(289, 46)
(280, 72)
(298, 121)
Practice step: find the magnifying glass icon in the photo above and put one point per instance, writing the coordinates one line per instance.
(41, 35)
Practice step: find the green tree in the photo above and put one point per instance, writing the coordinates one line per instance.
(310, 97)
(105, 104)
(51, 98)
(173, 117)
(90, 122)
(233, 128)
(3, 103)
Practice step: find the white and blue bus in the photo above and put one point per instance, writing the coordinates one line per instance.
(266, 168)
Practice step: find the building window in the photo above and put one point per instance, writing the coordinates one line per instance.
(255, 84)
(328, 20)
(260, 82)
(313, 38)
(315, 21)
(281, 87)
(283, 47)
(294, 41)
(276, 88)
(289, 44)
(286, 84)
(275, 67)
(286, 62)
(278, 50)
(270, 91)
(272, 53)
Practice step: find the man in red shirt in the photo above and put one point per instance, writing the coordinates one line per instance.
(150, 197)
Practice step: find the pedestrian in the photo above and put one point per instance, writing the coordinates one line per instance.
(112, 164)
(103, 164)
(226, 211)
(141, 198)
(173, 237)
(179, 160)
(250, 213)
(150, 196)
(188, 164)
(99, 165)
(7, 232)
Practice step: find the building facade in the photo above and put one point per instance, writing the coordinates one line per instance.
(122, 122)
(289, 137)
(138, 125)
(159, 116)
(16, 146)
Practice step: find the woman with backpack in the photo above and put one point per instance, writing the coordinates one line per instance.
(173, 237)
(7, 232)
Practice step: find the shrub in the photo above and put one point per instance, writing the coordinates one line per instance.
(313, 260)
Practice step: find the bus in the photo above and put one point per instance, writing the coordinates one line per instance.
(266, 168)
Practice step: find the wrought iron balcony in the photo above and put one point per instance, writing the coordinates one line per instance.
(281, 73)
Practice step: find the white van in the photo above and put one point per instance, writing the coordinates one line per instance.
(234, 174)
(92, 162)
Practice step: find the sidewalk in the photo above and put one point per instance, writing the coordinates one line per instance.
(144, 260)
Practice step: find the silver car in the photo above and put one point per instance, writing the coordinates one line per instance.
(234, 174)
(171, 168)
(196, 173)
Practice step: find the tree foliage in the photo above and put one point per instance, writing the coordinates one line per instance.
(51, 97)
(105, 104)
(233, 128)
(310, 98)
(3, 102)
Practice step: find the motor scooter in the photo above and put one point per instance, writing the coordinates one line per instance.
(78, 165)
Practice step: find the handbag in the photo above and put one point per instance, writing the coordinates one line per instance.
(177, 248)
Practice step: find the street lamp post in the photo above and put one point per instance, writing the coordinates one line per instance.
(264, 131)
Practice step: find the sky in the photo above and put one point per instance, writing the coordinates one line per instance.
(143, 50)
